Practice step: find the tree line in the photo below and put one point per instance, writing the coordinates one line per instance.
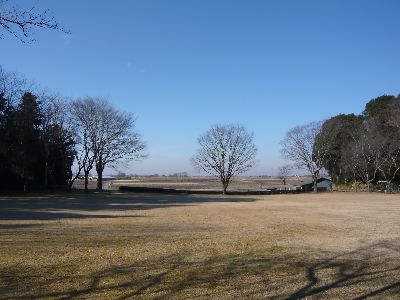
(364, 148)
(353, 149)
(41, 138)
(42, 135)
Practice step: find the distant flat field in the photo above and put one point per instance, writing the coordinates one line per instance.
(201, 183)
(150, 246)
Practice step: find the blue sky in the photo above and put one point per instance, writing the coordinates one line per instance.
(182, 66)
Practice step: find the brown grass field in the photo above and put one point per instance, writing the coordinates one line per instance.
(151, 246)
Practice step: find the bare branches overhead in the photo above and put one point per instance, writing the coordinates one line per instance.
(20, 22)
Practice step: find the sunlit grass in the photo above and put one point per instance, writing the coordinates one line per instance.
(149, 246)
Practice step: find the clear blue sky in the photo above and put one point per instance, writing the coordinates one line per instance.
(182, 66)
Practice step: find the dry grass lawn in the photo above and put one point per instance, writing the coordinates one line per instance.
(144, 246)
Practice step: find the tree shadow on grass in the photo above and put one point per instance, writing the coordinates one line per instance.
(97, 205)
(368, 271)
(364, 266)
(16, 226)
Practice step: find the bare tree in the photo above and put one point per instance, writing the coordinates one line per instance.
(225, 151)
(369, 150)
(393, 119)
(302, 148)
(55, 128)
(348, 163)
(20, 22)
(108, 133)
(391, 163)
(84, 157)
(82, 120)
(12, 86)
(284, 172)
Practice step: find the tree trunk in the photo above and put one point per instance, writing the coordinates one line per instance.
(86, 180)
(46, 166)
(72, 178)
(224, 187)
(46, 175)
(24, 180)
(99, 179)
(315, 185)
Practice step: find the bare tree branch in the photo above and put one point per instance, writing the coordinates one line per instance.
(20, 22)
(13, 86)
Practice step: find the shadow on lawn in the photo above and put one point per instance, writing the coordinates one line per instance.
(368, 271)
(16, 226)
(361, 267)
(96, 205)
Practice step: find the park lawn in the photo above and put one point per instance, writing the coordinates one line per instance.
(146, 246)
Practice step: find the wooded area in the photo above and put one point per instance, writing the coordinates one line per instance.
(43, 135)
(354, 149)
(364, 148)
